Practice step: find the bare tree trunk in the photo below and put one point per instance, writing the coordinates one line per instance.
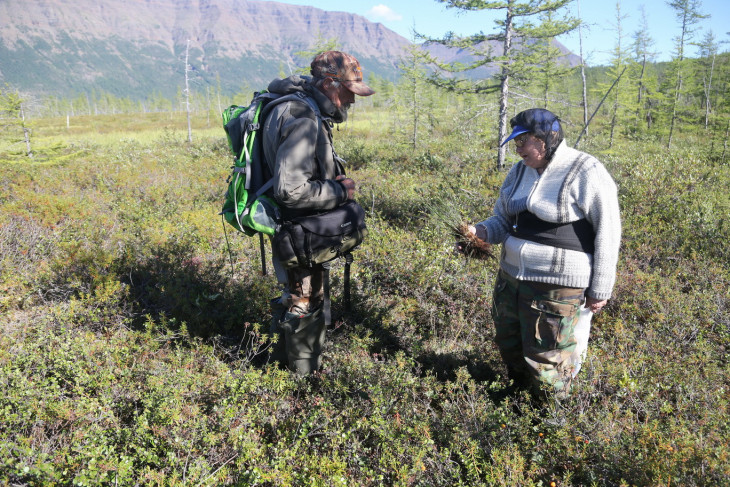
(613, 128)
(207, 96)
(708, 89)
(640, 95)
(582, 69)
(614, 117)
(585, 129)
(416, 108)
(724, 143)
(218, 92)
(26, 133)
(677, 90)
(614, 114)
(504, 93)
(415, 113)
(187, 91)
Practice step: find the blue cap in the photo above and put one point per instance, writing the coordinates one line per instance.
(517, 130)
(538, 121)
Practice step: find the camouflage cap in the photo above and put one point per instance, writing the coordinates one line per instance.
(342, 67)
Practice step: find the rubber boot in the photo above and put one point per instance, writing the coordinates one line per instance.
(304, 336)
(277, 351)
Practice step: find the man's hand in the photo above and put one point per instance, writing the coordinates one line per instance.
(595, 305)
(348, 184)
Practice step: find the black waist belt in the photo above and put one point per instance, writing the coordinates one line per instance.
(577, 235)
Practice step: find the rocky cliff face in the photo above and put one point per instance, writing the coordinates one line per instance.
(137, 46)
(229, 26)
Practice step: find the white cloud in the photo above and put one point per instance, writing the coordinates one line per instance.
(384, 12)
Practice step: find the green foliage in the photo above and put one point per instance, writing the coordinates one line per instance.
(519, 27)
(321, 44)
(14, 129)
(131, 353)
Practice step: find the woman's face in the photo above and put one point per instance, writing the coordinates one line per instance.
(532, 151)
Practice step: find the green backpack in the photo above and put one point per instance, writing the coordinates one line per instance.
(246, 206)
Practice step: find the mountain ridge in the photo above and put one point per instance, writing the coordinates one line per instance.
(137, 48)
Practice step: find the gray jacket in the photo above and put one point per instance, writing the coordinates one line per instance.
(299, 152)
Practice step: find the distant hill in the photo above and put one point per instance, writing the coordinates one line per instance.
(463, 56)
(136, 48)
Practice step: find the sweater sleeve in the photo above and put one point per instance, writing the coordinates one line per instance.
(499, 223)
(601, 208)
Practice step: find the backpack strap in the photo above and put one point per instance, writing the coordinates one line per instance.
(270, 183)
(300, 96)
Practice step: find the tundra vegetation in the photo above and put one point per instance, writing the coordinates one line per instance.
(132, 321)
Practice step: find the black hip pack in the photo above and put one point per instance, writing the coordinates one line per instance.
(577, 235)
(315, 239)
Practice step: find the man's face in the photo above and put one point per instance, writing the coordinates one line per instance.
(340, 96)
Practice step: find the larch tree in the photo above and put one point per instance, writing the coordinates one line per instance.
(619, 61)
(516, 35)
(551, 68)
(688, 15)
(708, 57)
(414, 84)
(644, 57)
(14, 126)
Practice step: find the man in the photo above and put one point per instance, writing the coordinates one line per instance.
(308, 178)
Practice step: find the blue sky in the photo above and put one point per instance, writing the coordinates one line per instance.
(434, 19)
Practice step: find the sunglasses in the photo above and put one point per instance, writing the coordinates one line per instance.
(521, 139)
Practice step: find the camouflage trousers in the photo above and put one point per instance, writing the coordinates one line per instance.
(535, 324)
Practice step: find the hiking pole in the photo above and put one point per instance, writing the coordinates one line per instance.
(326, 308)
(228, 245)
(263, 254)
(348, 261)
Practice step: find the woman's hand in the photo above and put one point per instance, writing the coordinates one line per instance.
(595, 305)
(459, 248)
(480, 231)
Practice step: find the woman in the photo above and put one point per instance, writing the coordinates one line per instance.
(557, 218)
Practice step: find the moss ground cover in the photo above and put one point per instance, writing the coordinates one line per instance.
(132, 353)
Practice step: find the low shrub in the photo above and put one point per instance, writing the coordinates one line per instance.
(133, 346)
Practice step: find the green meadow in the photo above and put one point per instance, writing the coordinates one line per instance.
(132, 320)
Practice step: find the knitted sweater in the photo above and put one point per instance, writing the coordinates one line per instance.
(574, 185)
